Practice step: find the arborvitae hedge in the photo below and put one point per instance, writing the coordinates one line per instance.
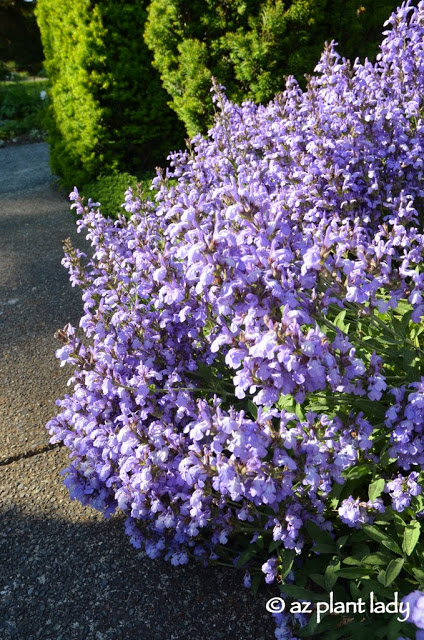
(250, 45)
(108, 109)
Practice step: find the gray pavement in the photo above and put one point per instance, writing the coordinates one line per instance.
(65, 572)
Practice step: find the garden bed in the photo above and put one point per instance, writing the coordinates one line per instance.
(22, 110)
(253, 391)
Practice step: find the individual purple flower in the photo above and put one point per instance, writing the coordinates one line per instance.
(247, 580)
(269, 568)
(351, 512)
(402, 490)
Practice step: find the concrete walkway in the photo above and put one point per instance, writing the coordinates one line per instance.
(65, 573)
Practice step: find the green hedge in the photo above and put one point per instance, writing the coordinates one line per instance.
(251, 45)
(110, 191)
(108, 110)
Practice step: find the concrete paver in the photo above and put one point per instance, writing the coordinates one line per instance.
(36, 298)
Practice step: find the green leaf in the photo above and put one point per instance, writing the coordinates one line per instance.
(386, 460)
(252, 408)
(400, 525)
(319, 535)
(394, 629)
(286, 402)
(339, 321)
(203, 371)
(331, 575)
(340, 542)
(406, 319)
(360, 549)
(359, 471)
(318, 579)
(393, 570)
(335, 494)
(274, 544)
(354, 573)
(299, 412)
(299, 593)
(411, 535)
(376, 559)
(352, 561)
(324, 548)
(419, 574)
(381, 577)
(377, 587)
(288, 559)
(381, 537)
(409, 358)
(383, 520)
(376, 488)
(354, 591)
(247, 555)
(419, 500)
(256, 583)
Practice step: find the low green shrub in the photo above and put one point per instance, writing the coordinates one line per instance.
(108, 191)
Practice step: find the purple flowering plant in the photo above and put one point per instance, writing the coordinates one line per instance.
(250, 387)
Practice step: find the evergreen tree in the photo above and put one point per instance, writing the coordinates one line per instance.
(251, 45)
(108, 109)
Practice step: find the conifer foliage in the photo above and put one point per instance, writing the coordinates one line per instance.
(108, 109)
(250, 46)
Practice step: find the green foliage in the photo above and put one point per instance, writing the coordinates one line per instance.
(108, 110)
(371, 564)
(109, 190)
(378, 560)
(251, 46)
(22, 110)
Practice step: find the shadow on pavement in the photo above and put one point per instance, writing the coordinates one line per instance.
(76, 581)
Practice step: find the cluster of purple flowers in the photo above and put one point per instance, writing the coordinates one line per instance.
(284, 624)
(405, 420)
(415, 603)
(209, 305)
(354, 512)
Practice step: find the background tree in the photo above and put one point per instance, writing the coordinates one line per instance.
(108, 110)
(251, 45)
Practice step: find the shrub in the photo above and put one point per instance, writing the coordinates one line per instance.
(108, 109)
(254, 388)
(250, 46)
(109, 189)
